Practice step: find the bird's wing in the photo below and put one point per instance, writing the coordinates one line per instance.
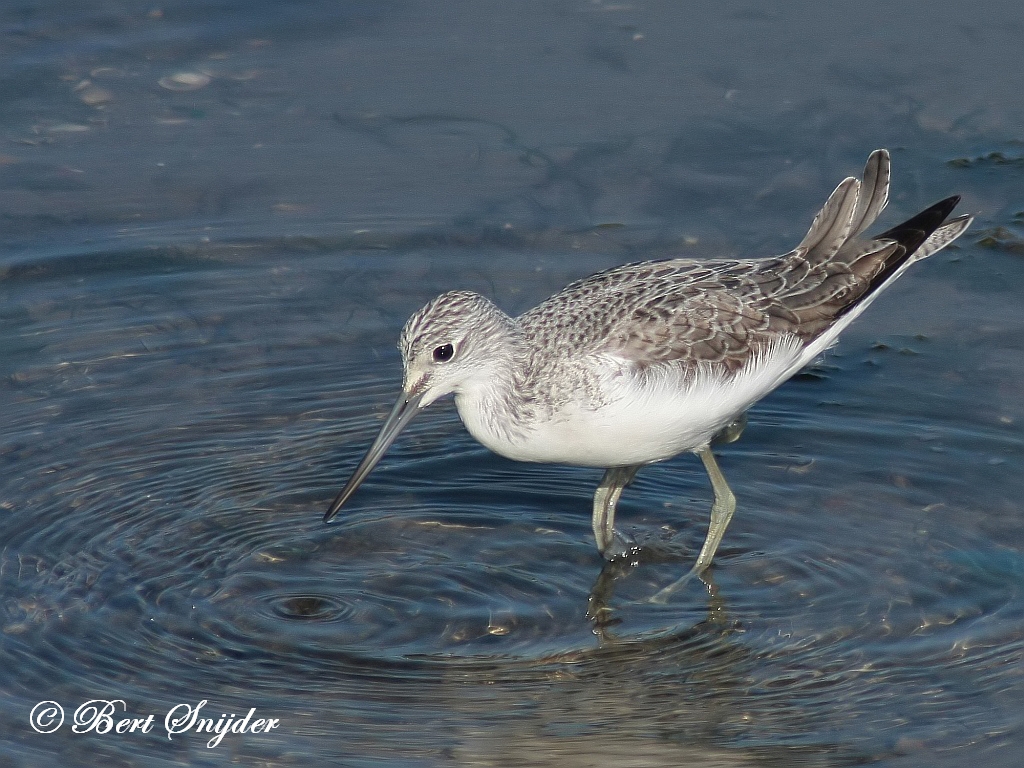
(719, 313)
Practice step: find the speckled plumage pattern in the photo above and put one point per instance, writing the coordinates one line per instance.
(641, 362)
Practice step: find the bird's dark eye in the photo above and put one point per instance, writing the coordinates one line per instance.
(443, 353)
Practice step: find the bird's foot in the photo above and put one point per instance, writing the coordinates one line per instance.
(622, 547)
(661, 596)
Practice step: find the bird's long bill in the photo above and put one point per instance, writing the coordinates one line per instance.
(406, 407)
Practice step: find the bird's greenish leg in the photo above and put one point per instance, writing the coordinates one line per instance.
(721, 510)
(605, 498)
(721, 513)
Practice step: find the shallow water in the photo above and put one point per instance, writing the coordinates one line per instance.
(200, 293)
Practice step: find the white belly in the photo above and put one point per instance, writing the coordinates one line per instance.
(643, 420)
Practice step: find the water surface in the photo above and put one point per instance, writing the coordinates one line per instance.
(200, 294)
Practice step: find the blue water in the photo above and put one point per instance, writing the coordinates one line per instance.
(200, 295)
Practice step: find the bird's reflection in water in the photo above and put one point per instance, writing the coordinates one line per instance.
(673, 697)
(601, 613)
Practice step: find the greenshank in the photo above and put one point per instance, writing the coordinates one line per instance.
(642, 362)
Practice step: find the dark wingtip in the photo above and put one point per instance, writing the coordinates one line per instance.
(911, 234)
(915, 230)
